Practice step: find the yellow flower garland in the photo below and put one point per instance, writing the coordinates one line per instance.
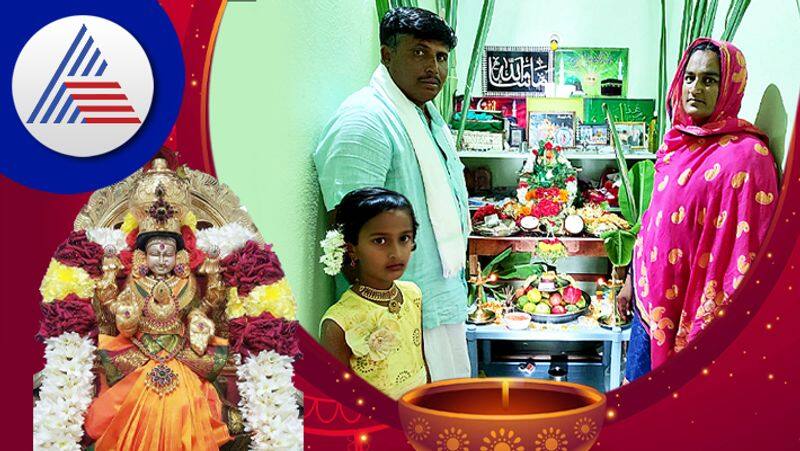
(275, 298)
(129, 223)
(190, 220)
(61, 280)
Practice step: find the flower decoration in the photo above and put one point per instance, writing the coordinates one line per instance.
(65, 393)
(274, 298)
(266, 332)
(129, 223)
(190, 220)
(227, 239)
(268, 403)
(72, 314)
(375, 334)
(487, 210)
(78, 251)
(61, 280)
(333, 248)
(251, 266)
(551, 250)
(108, 237)
(196, 256)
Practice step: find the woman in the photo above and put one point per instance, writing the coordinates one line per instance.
(714, 195)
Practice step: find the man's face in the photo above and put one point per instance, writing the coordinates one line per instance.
(417, 66)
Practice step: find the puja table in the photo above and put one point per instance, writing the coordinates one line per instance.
(583, 329)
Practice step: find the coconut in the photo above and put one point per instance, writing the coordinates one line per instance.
(573, 224)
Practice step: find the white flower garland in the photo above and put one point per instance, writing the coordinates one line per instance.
(65, 393)
(332, 252)
(268, 403)
(106, 236)
(228, 238)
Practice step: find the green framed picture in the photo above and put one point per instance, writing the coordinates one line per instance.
(587, 67)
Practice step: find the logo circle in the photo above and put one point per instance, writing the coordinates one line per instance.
(82, 86)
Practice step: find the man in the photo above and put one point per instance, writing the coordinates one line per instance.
(390, 135)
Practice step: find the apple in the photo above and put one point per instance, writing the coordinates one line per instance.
(535, 295)
(556, 299)
(558, 310)
(572, 295)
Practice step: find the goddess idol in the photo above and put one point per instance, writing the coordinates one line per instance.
(172, 309)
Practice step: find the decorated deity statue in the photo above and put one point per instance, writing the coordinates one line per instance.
(162, 303)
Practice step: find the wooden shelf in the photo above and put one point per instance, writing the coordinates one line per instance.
(490, 246)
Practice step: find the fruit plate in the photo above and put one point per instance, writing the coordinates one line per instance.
(563, 318)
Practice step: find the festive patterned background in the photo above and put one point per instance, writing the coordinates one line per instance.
(734, 389)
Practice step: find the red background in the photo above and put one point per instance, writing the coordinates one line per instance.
(737, 388)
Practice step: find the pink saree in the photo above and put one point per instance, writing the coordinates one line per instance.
(714, 195)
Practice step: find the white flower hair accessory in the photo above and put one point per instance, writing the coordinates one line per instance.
(332, 252)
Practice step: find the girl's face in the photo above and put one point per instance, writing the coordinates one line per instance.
(384, 247)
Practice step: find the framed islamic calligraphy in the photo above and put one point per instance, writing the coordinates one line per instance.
(516, 71)
(586, 67)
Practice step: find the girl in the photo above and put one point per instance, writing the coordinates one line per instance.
(376, 327)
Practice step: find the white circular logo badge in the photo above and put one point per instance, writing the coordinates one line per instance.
(82, 86)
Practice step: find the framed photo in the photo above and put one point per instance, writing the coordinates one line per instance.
(592, 135)
(633, 134)
(513, 108)
(556, 127)
(587, 67)
(516, 71)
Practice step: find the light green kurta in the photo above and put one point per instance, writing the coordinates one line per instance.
(366, 145)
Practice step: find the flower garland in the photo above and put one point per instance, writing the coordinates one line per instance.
(268, 403)
(107, 237)
(226, 239)
(65, 393)
(61, 280)
(261, 312)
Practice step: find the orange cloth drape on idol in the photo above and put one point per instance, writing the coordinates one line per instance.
(130, 416)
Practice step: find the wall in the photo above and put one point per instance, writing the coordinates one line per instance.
(579, 23)
(769, 38)
(280, 69)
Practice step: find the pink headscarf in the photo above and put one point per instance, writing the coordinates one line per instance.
(714, 195)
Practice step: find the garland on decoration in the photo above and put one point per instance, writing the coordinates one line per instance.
(261, 312)
(267, 402)
(65, 393)
(225, 239)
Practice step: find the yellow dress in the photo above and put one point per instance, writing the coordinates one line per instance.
(386, 347)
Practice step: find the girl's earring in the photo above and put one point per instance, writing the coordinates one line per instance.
(353, 262)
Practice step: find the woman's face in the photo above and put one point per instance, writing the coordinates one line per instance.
(701, 85)
(161, 255)
(384, 247)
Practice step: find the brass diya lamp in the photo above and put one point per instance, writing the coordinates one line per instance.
(502, 414)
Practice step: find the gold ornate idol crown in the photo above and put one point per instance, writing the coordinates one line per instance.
(159, 199)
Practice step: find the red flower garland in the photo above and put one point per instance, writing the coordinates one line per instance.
(78, 251)
(249, 336)
(72, 314)
(251, 266)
